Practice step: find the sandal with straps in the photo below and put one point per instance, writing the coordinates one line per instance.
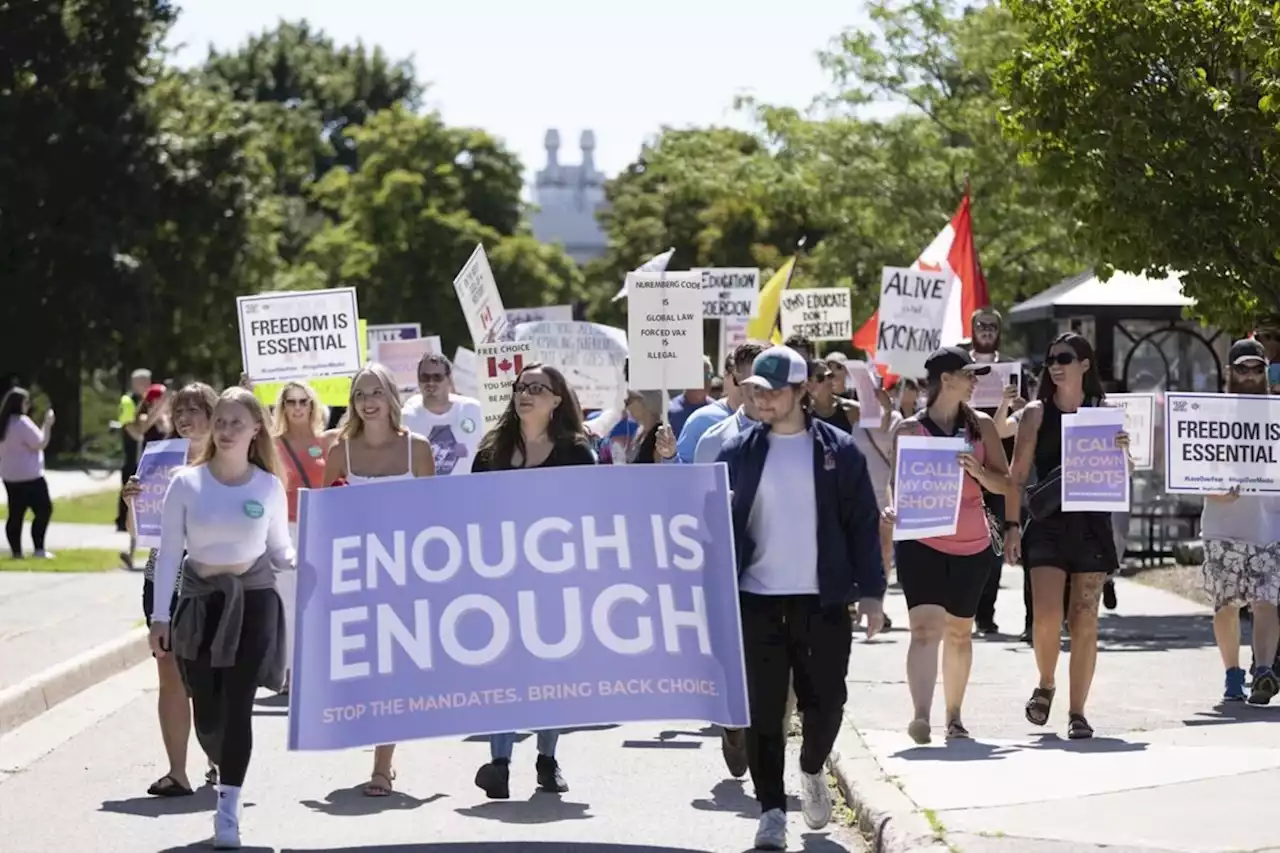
(1039, 705)
(374, 788)
(957, 731)
(1078, 727)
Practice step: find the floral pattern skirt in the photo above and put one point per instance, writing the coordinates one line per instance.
(1236, 573)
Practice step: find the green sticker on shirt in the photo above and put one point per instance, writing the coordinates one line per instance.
(314, 451)
(253, 509)
(468, 425)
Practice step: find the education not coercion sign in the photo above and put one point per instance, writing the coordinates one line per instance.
(305, 335)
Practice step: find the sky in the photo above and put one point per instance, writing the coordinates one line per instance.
(516, 68)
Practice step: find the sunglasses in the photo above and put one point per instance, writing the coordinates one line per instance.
(1252, 368)
(300, 402)
(1063, 358)
(533, 389)
(424, 378)
(986, 327)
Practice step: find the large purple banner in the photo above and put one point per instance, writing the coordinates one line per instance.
(513, 601)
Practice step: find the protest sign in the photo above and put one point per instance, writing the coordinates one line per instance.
(402, 357)
(870, 412)
(988, 392)
(913, 308)
(1095, 472)
(1215, 442)
(332, 390)
(498, 365)
(478, 294)
(302, 335)
(927, 481)
(1140, 424)
(465, 381)
(664, 328)
(590, 356)
(155, 469)
(376, 334)
(820, 314)
(543, 314)
(729, 292)
(733, 334)
(611, 598)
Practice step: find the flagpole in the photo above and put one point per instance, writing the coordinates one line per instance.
(795, 262)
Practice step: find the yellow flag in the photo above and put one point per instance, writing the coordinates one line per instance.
(764, 326)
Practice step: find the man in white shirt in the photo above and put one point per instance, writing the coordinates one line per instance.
(451, 423)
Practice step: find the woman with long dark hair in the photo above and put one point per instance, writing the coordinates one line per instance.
(653, 443)
(1057, 544)
(540, 428)
(191, 411)
(22, 446)
(943, 577)
(228, 514)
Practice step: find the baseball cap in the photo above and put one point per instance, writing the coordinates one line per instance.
(155, 392)
(776, 368)
(952, 359)
(837, 356)
(1247, 350)
(987, 314)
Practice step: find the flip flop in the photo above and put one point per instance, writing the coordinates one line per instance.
(167, 786)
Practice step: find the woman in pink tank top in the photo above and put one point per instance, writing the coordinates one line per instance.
(942, 576)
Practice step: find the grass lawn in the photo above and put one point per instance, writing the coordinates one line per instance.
(99, 508)
(66, 560)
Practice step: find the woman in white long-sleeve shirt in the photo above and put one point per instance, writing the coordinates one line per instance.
(229, 513)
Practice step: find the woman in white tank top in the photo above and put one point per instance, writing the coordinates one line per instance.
(374, 446)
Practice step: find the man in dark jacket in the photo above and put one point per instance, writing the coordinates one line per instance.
(807, 532)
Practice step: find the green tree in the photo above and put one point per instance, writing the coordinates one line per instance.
(1157, 120)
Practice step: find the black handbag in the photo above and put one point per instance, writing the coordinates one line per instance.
(1045, 497)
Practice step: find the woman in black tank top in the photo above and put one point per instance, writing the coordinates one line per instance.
(1078, 544)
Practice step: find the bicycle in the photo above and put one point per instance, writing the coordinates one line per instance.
(99, 455)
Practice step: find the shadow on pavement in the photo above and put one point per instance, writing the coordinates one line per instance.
(351, 802)
(730, 795)
(956, 750)
(1225, 713)
(203, 800)
(540, 808)
(1091, 745)
(495, 847)
(523, 736)
(1154, 633)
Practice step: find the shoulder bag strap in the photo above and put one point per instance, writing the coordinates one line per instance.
(297, 463)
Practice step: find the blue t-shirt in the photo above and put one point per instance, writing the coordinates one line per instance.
(680, 410)
(696, 427)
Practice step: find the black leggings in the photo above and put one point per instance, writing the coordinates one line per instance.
(27, 495)
(222, 697)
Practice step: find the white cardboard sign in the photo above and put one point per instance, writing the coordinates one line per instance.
(464, 373)
(819, 313)
(402, 357)
(1140, 424)
(478, 294)
(729, 292)
(1215, 442)
(591, 357)
(988, 392)
(310, 334)
(498, 366)
(913, 309)
(664, 329)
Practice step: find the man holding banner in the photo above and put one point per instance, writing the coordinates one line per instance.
(806, 526)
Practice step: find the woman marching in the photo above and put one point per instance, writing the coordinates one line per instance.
(541, 428)
(372, 440)
(302, 442)
(942, 577)
(1055, 544)
(228, 512)
(191, 411)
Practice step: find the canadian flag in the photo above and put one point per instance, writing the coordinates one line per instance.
(505, 366)
(952, 250)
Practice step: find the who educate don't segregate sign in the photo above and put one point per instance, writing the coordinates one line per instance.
(307, 335)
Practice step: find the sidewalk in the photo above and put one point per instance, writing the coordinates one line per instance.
(67, 484)
(1168, 770)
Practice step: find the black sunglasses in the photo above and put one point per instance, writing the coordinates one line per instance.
(1062, 358)
(533, 389)
(1251, 368)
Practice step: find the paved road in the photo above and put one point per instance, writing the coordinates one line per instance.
(66, 484)
(47, 618)
(78, 773)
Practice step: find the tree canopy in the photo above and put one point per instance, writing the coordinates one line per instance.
(1157, 120)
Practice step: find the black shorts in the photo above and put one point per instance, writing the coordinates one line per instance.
(149, 600)
(1076, 542)
(952, 582)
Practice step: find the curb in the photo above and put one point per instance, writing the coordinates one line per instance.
(31, 697)
(887, 817)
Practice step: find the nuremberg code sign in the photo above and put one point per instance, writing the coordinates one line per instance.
(478, 294)
(1215, 442)
(308, 335)
(913, 308)
(729, 292)
(664, 330)
(820, 314)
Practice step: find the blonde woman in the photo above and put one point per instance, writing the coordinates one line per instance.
(374, 446)
(302, 442)
(191, 411)
(228, 512)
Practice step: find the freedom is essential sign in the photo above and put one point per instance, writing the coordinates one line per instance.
(550, 598)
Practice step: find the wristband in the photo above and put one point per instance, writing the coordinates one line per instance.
(1012, 525)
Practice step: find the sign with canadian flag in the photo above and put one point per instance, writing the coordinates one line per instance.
(478, 295)
(498, 365)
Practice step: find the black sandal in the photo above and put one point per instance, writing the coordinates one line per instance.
(957, 731)
(167, 786)
(1039, 705)
(1078, 727)
(211, 775)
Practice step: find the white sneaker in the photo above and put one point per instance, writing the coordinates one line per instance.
(226, 830)
(771, 833)
(815, 800)
(44, 555)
